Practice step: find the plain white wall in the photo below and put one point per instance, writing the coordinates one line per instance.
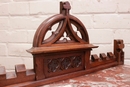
(105, 21)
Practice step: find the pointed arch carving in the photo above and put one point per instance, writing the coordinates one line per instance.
(65, 23)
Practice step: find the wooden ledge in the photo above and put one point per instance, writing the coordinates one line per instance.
(49, 49)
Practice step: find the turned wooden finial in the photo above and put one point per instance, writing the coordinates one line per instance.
(65, 7)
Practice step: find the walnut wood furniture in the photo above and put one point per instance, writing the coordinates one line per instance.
(66, 53)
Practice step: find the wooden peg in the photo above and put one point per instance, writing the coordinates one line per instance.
(2, 73)
(110, 55)
(20, 70)
(103, 56)
(94, 58)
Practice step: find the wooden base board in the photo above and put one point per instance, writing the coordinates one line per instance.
(62, 77)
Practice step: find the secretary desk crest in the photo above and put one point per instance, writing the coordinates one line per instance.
(61, 50)
(65, 50)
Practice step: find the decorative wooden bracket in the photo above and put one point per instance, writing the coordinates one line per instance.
(64, 54)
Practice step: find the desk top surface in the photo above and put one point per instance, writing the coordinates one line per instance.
(118, 76)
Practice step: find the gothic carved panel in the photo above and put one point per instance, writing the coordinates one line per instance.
(64, 63)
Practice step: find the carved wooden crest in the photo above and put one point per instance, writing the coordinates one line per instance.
(62, 54)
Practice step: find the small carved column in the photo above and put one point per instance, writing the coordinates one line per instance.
(118, 51)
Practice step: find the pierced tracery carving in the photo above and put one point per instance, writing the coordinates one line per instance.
(52, 30)
(64, 63)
